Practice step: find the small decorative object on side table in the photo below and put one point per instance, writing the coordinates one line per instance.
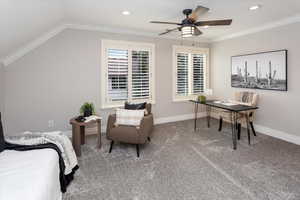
(78, 132)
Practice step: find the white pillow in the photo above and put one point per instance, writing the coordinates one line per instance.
(129, 117)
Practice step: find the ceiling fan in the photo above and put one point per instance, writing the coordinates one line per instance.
(189, 26)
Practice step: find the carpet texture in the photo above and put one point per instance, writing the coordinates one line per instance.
(182, 164)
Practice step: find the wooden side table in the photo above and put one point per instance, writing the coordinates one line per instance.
(78, 134)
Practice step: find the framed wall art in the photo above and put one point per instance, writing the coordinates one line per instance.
(266, 70)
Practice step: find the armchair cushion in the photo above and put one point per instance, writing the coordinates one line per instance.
(129, 117)
(139, 106)
(146, 106)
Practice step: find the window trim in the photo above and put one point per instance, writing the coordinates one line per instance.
(189, 50)
(128, 45)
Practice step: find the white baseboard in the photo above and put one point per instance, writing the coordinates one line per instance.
(259, 128)
(177, 118)
(278, 134)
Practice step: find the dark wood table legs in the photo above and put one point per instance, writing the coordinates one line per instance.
(234, 129)
(196, 112)
(99, 134)
(208, 111)
(248, 130)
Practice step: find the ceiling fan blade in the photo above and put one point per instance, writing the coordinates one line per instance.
(168, 31)
(200, 10)
(197, 32)
(158, 22)
(214, 23)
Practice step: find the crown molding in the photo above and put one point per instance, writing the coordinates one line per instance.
(106, 29)
(45, 37)
(283, 22)
(32, 45)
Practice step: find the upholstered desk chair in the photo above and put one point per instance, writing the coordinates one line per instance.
(130, 134)
(246, 117)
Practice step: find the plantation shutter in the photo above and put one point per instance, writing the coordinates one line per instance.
(198, 73)
(140, 75)
(117, 74)
(182, 74)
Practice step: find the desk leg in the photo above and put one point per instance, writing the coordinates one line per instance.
(248, 130)
(196, 112)
(234, 135)
(99, 134)
(76, 139)
(208, 111)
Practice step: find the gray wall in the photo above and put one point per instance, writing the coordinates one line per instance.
(278, 110)
(1, 88)
(51, 82)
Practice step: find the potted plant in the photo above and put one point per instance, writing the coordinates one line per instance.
(202, 99)
(87, 109)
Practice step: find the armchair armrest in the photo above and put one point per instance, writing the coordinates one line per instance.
(146, 127)
(110, 123)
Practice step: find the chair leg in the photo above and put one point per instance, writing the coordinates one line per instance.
(220, 123)
(111, 146)
(252, 127)
(138, 150)
(239, 131)
(149, 139)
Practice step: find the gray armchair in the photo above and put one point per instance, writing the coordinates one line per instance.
(130, 134)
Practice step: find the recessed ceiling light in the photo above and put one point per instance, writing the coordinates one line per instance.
(205, 26)
(255, 7)
(125, 12)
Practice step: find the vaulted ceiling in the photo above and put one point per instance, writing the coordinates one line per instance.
(23, 21)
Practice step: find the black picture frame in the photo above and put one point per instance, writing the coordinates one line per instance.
(258, 82)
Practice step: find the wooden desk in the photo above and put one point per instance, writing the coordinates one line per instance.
(78, 134)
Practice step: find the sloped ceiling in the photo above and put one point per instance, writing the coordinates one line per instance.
(22, 21)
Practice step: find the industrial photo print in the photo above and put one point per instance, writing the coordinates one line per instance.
(267, 70)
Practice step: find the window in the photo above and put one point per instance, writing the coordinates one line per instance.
(127, 73)
(190, 70)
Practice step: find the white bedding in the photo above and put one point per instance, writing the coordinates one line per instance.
(29, 175)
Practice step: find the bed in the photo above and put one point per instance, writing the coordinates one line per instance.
(29, 175)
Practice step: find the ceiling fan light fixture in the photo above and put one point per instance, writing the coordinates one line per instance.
(187, 31)
(125, 12)
(254, 7)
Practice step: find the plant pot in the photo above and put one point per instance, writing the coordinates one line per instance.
(87, 113)
(202, 99)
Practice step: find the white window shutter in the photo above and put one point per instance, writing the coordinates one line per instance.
(182, 74)
(140, 75)
(198, 73)
(117, 74)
